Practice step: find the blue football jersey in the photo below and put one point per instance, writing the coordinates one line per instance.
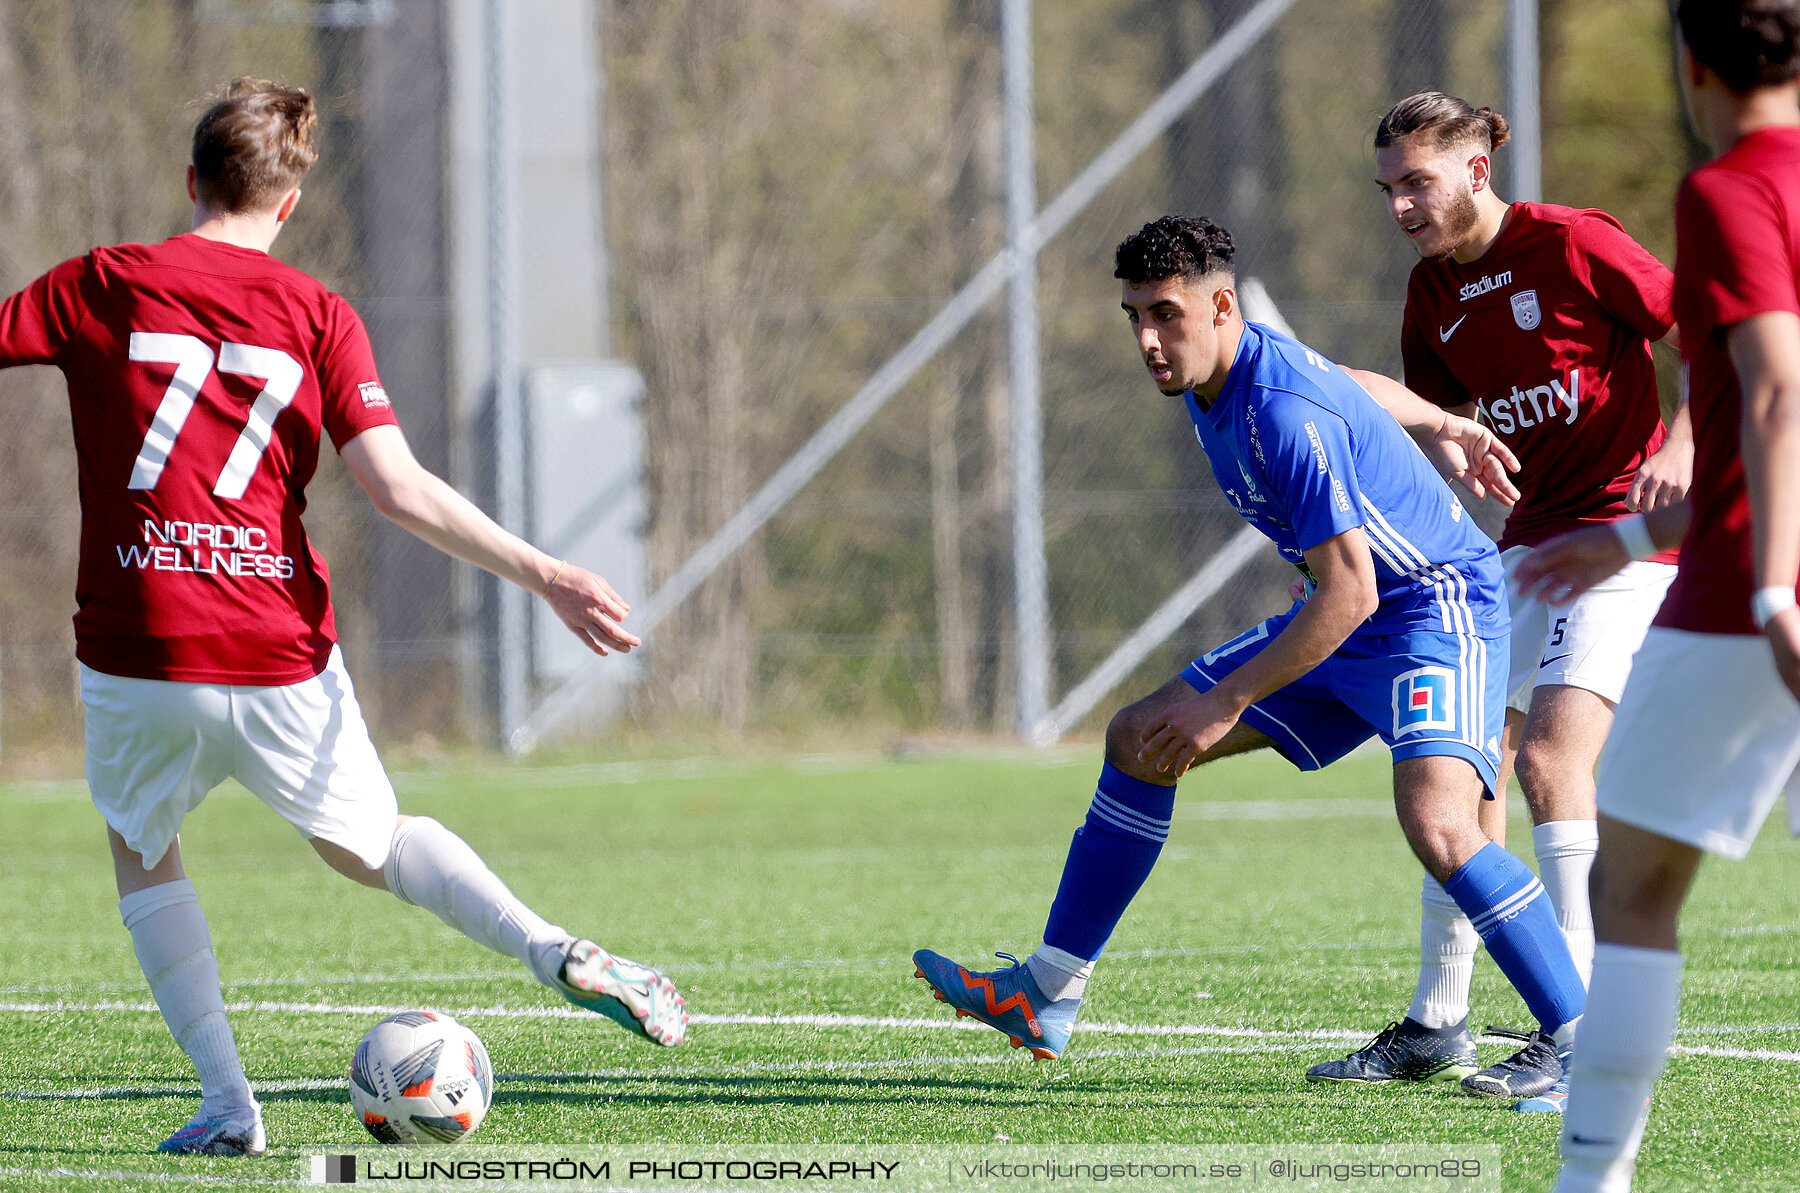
(1304, 454)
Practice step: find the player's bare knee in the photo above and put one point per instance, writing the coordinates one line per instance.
(130, 873)
(1557, 785)
(1536, 767)
(1441, 844)
(1636, 893)
(1125, 738)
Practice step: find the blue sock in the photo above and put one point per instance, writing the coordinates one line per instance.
(1511, 911)
(1110, 857)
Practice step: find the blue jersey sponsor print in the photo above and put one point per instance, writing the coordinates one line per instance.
(1304, 454)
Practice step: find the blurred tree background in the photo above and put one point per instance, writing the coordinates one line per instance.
(793, 187)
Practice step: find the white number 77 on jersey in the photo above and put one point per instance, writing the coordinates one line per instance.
(193, 362)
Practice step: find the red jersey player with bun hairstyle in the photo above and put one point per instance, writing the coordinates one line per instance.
(1709, 730)
(202, 375)
(1539, 320)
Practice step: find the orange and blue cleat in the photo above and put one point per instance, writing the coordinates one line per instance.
(1007, 1000)
(1554, 1100)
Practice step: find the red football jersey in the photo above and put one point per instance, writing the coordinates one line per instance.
(1737, 254)
(1549, 335)
(199, 376)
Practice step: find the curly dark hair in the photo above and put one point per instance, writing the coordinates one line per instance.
(1748, 44)
(1174, 246)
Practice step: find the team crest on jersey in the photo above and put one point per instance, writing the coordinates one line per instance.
(1424, 699)
(1526, 312)
(374, 397)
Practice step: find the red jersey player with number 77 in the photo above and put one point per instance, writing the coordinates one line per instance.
(202, 373)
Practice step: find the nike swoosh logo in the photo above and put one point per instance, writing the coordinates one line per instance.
(1586, 1142)
(1557, 659)
(1444, 336)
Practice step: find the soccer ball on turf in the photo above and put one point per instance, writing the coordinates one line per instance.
(420, 1077)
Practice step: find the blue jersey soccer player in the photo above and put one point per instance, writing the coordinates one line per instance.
(1404, 636)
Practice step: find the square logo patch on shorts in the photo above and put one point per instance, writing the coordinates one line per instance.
(1424, 699)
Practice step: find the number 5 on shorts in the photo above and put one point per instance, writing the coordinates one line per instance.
(193, 362)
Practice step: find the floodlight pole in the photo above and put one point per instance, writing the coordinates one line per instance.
(1030, 573)
(503, 353)
(1523, 98)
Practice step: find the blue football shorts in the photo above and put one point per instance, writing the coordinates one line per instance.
(1423, 693)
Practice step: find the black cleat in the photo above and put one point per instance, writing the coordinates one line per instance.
(1530, 1071)
(1405, 1051)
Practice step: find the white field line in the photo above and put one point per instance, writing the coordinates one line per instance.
(1154, 1030)
(687, 1072)
(1733, 1053)
(628, 773)
(773, 963)
(802, 1068)
(504, 1012)
(1292, 809)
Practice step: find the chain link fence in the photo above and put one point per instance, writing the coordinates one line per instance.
(731, 215)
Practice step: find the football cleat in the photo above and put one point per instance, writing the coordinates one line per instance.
(636, 997)
(1405, 1051)
(1552, 1101)
(1528, 1073)
(237, 1133)
(1007, 1000)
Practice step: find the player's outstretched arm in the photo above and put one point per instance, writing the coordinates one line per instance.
(1461, 449)
(1346, 596)
(413, 497)
(1765, 351)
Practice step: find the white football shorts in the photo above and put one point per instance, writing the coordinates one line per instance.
(1587, 643)
(1705, 738)
(155, 748)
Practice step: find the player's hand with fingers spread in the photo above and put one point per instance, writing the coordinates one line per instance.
(588, 605)
(1472, 455)
(1562, 568)
(1663, 479)
(1185, 731)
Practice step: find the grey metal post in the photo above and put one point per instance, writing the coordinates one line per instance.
(899, 369)
(602, 243)
(1525, 110)
(1030, 575)
(503, 322)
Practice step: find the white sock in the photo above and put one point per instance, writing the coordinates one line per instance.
(1565, 854)
(1447, 944)
(1059, 974)
(1632, 1005)
(174, 948)
(431, 867)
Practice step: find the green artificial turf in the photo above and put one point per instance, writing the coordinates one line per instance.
(781, 894)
